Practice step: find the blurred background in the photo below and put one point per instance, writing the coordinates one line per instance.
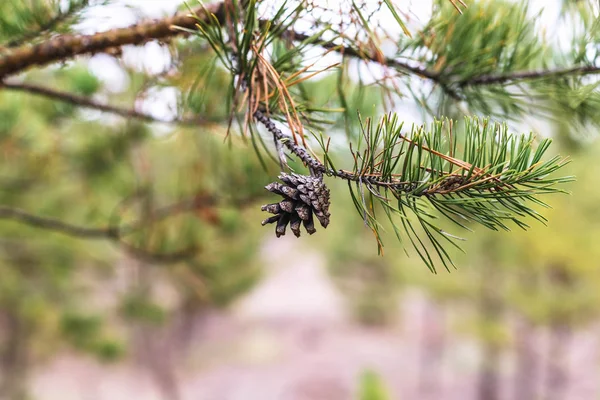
(251, 316)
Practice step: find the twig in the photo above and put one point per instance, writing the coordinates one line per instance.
(82, 101)
(56, 225)
(316, 166)
(419, 71)
(288, 142)
(525, 75)
(115, 233)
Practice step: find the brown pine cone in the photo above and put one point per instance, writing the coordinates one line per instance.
(303, 197)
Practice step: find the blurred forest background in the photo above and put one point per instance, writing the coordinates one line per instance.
(132, 259)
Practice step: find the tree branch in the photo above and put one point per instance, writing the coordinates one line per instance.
(115, 233)
(56, 225)
(439, 78)
(419, 71)
(86, 102)
(63, 47)
(525, 75)
(317, 166)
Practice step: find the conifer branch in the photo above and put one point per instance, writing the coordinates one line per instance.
(87, 102)
(56, 225)
(528, 75)
(109, 232)
(116, 233)
(64, 47)
(489, 179)
(395, 63)
(17, 59)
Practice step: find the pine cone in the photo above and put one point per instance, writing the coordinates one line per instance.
(303, 197)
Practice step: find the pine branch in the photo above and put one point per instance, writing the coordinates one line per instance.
(115, 233)
(528, 75)
(64, 47)
(110, 232)
(488, 183)
(438, 78)
(318, 167)
(395, 63)
(487, 180)
(86, 102)
(57, 225)
(118, 233)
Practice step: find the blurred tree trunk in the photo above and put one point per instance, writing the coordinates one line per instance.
(527, 361)
(558, 349)
(490, 309)
(433, 335)
(14, 358)
(153, 349)
(527, 358)
(156, 354)
(560, 335)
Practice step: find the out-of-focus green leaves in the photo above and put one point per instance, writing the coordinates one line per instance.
(136, 307)
(22, 21)
(372, 387)
(94, 171)
(488, 37)
(85, 333)
(81, 81)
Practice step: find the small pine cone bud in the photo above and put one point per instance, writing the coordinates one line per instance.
(303, 198)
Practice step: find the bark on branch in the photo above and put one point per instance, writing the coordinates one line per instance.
(86, 102)
(63, 47)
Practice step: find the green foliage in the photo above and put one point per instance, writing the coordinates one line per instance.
(480, 174)
(84, 332)
(58, 165)
(372, 387)
(81, 81)
(25, 20)
(488, 37)
(137, 307)
(486, 178)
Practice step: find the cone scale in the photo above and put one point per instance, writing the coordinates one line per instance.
(304, 198)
